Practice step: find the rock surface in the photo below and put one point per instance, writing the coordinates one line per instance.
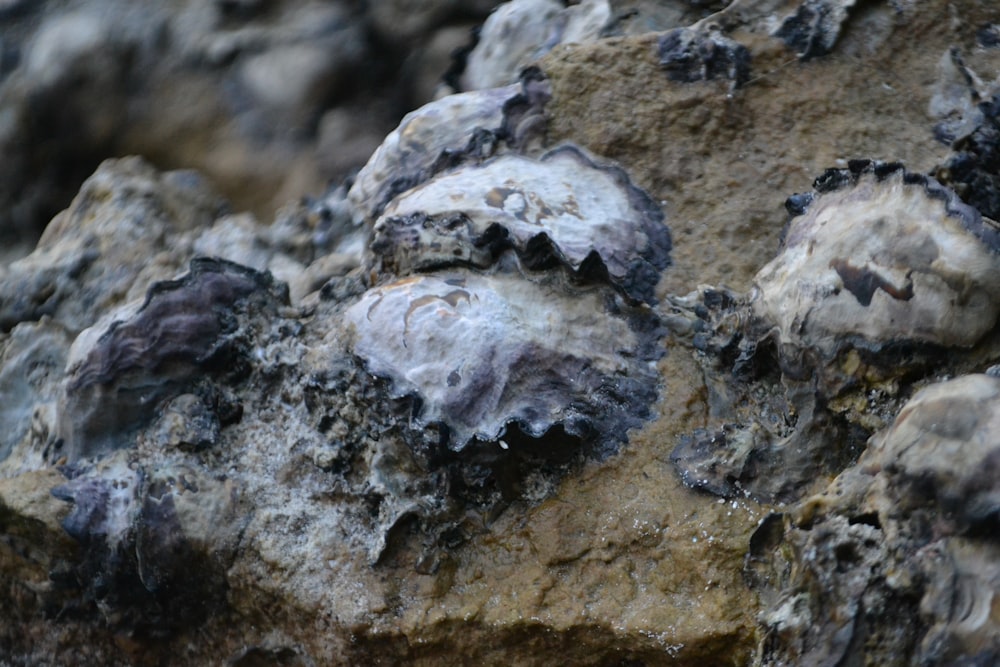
(201, 462)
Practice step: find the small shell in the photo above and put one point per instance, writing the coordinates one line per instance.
(486, 352)
(703, 54)
(520, 32)
(876, 256)
(560, 207)
(814, 28)
(944, 448)
(442, 133)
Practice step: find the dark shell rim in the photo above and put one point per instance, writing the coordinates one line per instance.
(833, 180)
(638, 282)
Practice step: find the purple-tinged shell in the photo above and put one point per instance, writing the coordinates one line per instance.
(185, 330)
(488, 353)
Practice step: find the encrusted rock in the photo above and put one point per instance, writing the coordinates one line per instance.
(908, 533)
(108, 246)
(881, 275)
(32, 358)
(157, 542)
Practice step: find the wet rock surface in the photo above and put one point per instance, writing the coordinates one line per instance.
(650, 353)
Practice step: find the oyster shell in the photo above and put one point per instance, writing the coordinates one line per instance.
(561, 207)
(186, 329)
(877, 256)
(485, 353)
(442, 133)
(520, 32)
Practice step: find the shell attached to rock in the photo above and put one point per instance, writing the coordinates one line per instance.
(560, 208)
(504, 350)
(186, 330)
(877, 257)
(509, 293)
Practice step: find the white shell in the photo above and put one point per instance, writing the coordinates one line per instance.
(485, 351)
(879, 256)
(408, 153)
(561, 206)
(519, 32)
(943, 448)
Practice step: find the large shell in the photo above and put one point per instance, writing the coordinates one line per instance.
(562, 206)
(484, 352)
(877, 255)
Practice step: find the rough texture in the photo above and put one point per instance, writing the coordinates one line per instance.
(895, 563)
(329, 523)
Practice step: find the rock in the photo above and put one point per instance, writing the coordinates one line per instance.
(906, 533)
(306, 503)
(118, 236)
